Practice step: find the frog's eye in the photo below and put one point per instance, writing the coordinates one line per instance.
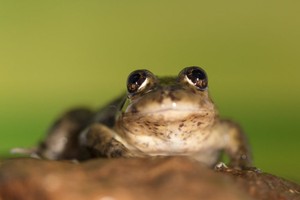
(138, 80)
(195, 76)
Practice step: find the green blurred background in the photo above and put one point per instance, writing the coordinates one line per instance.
(55, 55)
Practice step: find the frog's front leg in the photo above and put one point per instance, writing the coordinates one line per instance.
(236, 145)
(100, 141)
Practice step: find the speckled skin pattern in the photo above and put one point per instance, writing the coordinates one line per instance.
(158, 117)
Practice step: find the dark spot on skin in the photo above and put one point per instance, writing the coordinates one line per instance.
(154, 132)
(156, 124)
(199, 123)
(181, 125)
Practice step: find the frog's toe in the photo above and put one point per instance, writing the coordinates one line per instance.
(220, 166)
(32, 152)
(253, 169)
(24, 151)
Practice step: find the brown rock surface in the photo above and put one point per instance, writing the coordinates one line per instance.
(143, 179)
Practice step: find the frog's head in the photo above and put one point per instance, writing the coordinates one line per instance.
(170, 107)
(170, 97)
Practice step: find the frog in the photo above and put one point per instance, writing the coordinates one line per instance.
(156, 117)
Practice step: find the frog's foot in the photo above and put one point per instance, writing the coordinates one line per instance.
(112, 149)
(222, 167)
(32, 152)
(100, 142)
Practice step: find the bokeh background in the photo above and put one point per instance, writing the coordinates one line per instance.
(55, 55)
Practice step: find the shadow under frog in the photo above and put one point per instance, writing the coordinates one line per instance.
(157, 117)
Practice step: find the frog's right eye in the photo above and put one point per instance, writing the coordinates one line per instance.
(138, 80)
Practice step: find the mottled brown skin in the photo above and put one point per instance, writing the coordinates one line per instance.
(157, 117)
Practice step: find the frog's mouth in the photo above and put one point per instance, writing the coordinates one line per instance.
(168, 112)
(168, 107)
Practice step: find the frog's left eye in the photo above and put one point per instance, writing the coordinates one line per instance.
(195, 76)
(138, 80)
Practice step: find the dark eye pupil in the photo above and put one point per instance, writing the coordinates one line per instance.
(198, 77)
(135, 80)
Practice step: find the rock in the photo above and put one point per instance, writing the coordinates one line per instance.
(135, 178)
